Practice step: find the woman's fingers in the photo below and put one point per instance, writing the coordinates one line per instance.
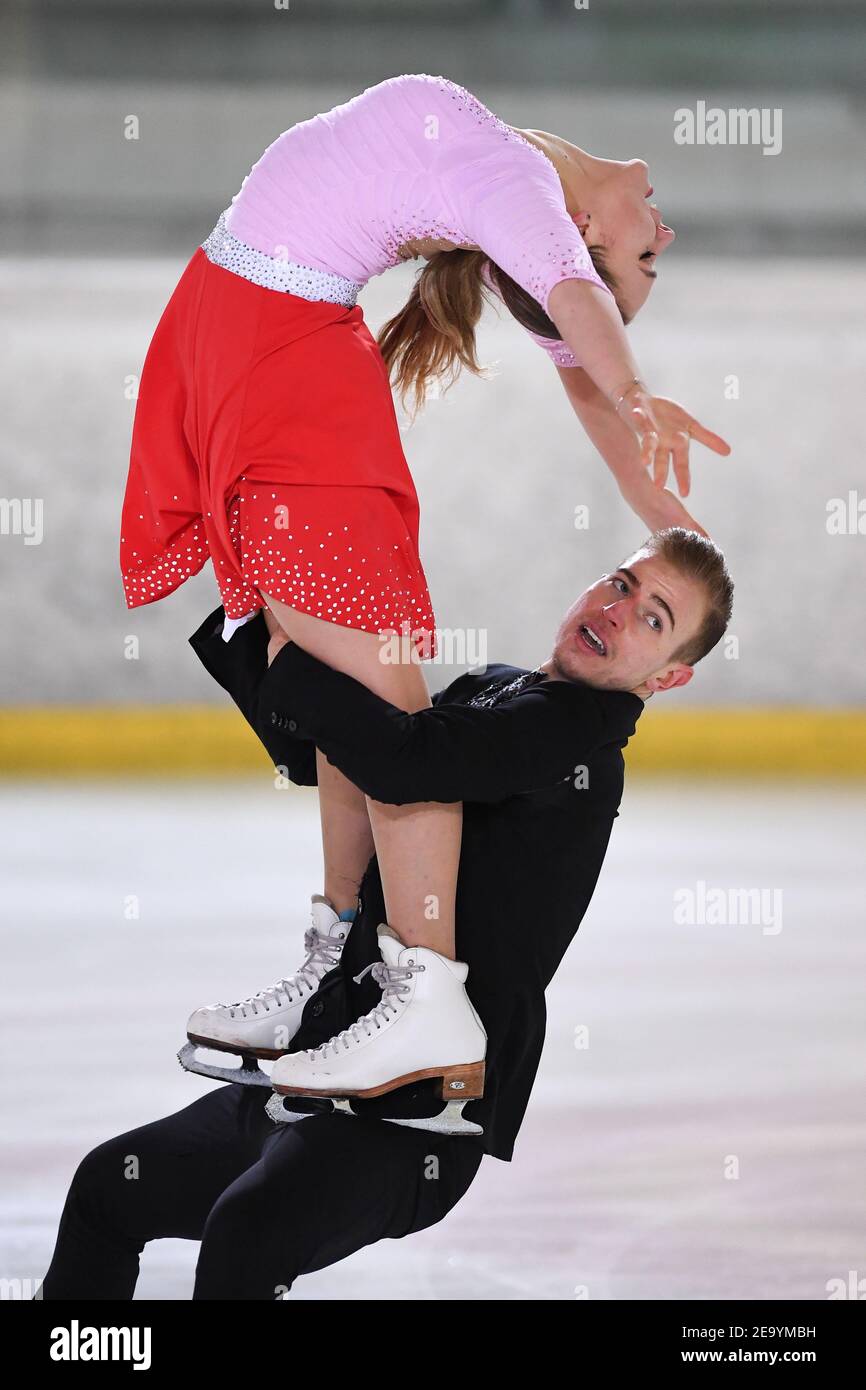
(672, 429)
(649, 442)
(643, 422)
(661, 468)
(654, 451)
(664, 431)
(675, 448)
(706, 437)
(681, 462)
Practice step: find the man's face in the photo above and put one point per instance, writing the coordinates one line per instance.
(622, 631)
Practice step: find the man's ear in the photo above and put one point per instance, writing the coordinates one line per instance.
(670, 679)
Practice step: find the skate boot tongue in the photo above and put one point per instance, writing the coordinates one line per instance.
(324, 944)
(326, 920)
(390, 945)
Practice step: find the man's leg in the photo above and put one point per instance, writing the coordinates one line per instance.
(159, 1180)
(324, 1187)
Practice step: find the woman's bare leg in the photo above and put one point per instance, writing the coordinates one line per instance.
(347, 837)
(418, 846)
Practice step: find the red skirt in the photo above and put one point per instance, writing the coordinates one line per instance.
(265, 438)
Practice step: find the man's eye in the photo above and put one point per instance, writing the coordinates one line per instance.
(655, 623)
(617, 580)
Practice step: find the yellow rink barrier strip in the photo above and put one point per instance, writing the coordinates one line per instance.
(200, 740)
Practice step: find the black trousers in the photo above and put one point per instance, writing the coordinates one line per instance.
(268, 1202)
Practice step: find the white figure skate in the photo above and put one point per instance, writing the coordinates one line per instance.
(423, 1027)
(264, 1025)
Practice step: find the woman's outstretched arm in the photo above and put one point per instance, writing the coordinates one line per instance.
(591, 326)
(657, 507)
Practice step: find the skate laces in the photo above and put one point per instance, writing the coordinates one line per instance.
(394, 981)
(323, 953)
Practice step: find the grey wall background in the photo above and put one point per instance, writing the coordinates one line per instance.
(765, 283)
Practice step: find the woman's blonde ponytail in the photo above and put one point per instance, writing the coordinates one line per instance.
(433, 336)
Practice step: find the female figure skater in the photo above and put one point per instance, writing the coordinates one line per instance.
(265, 436)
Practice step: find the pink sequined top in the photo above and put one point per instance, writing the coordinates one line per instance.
(415, 156)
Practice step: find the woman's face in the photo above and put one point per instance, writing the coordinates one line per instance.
(608, 199)
(621, 218)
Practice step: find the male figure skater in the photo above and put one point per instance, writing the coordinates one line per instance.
(536, 758)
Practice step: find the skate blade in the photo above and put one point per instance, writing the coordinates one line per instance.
(279, 1115)
(247, 1072)
(462, 1083)
(448, 1121)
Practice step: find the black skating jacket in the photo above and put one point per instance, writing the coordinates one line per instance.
(540, 773)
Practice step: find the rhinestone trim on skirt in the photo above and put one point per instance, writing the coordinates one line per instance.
(285, 404)
(347, 555)
(274, 272)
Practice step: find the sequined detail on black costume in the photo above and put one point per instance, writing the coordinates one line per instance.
(504, 689)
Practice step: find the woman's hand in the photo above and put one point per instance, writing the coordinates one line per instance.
(620, 448)
(664, 430)
(657, 507)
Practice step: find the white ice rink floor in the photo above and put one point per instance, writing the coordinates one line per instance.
(708, 1143)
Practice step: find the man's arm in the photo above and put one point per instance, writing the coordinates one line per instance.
(449, 752)
(239, 666)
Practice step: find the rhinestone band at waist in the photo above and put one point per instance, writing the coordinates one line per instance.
(274, 273)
